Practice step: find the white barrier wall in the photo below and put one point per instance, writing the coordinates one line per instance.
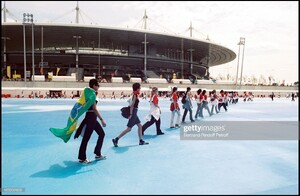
(205, 82)
(157, 80)
(117, 80)
(88, 78)
(38, 77)
(181, 81)
(64, 78)
(135, 80)
(224, 82)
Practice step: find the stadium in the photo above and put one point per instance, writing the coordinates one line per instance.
(71, 54)
(89, 50)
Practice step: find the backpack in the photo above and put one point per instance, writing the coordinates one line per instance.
(125, 111)
(183, 100)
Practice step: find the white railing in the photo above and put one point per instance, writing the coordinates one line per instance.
(135, 80)
(64, 78)
(38, 78)
(88, 78)
(157, 80)
(181, 81)
(205, 82)
(117, 80)
(224, 82)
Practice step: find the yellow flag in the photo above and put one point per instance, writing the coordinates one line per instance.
(8, 73)
(174, 75)
(57, 70)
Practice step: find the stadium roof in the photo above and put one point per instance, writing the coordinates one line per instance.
(61, 35)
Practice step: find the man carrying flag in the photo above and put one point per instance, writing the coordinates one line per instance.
(86, 100)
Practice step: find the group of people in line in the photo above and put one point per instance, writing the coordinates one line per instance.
(217, 101)
(203, 101)
(90, 123)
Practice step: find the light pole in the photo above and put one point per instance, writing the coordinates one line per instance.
(42, 51)
(237, 70)
(182, 53)
(32, 34)
(77, 37)
(4, 50)
(24, 20)
(207, 63)
(242, 42)
(191, 52)
(99, 71)
(28, 19)
(145, 55)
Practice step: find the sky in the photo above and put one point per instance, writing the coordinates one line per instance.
(270, 29)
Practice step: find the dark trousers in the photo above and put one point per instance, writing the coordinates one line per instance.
(199, 106)
(212, 109)
(91, 124)
(185, 112)
(222, 104)
(149, 123)
(205, 106)
(236, 100)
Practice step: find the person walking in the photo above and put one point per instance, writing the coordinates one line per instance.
(272, 96)
(204, 103)
(222, 101)
(90, 123)
(154, 114)
(187, 105)
(293, 96)
(199, 103)
(174, 107)
(133, 118)
(113, 96)
(214, 102)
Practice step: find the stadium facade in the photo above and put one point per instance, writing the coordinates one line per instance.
(96, 50)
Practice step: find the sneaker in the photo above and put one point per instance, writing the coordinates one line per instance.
(84, 161)
(160, 133)
(177, 125)
(115, 142)
(192, 120)
(142, 142)
(172, 127)
(102, 157)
